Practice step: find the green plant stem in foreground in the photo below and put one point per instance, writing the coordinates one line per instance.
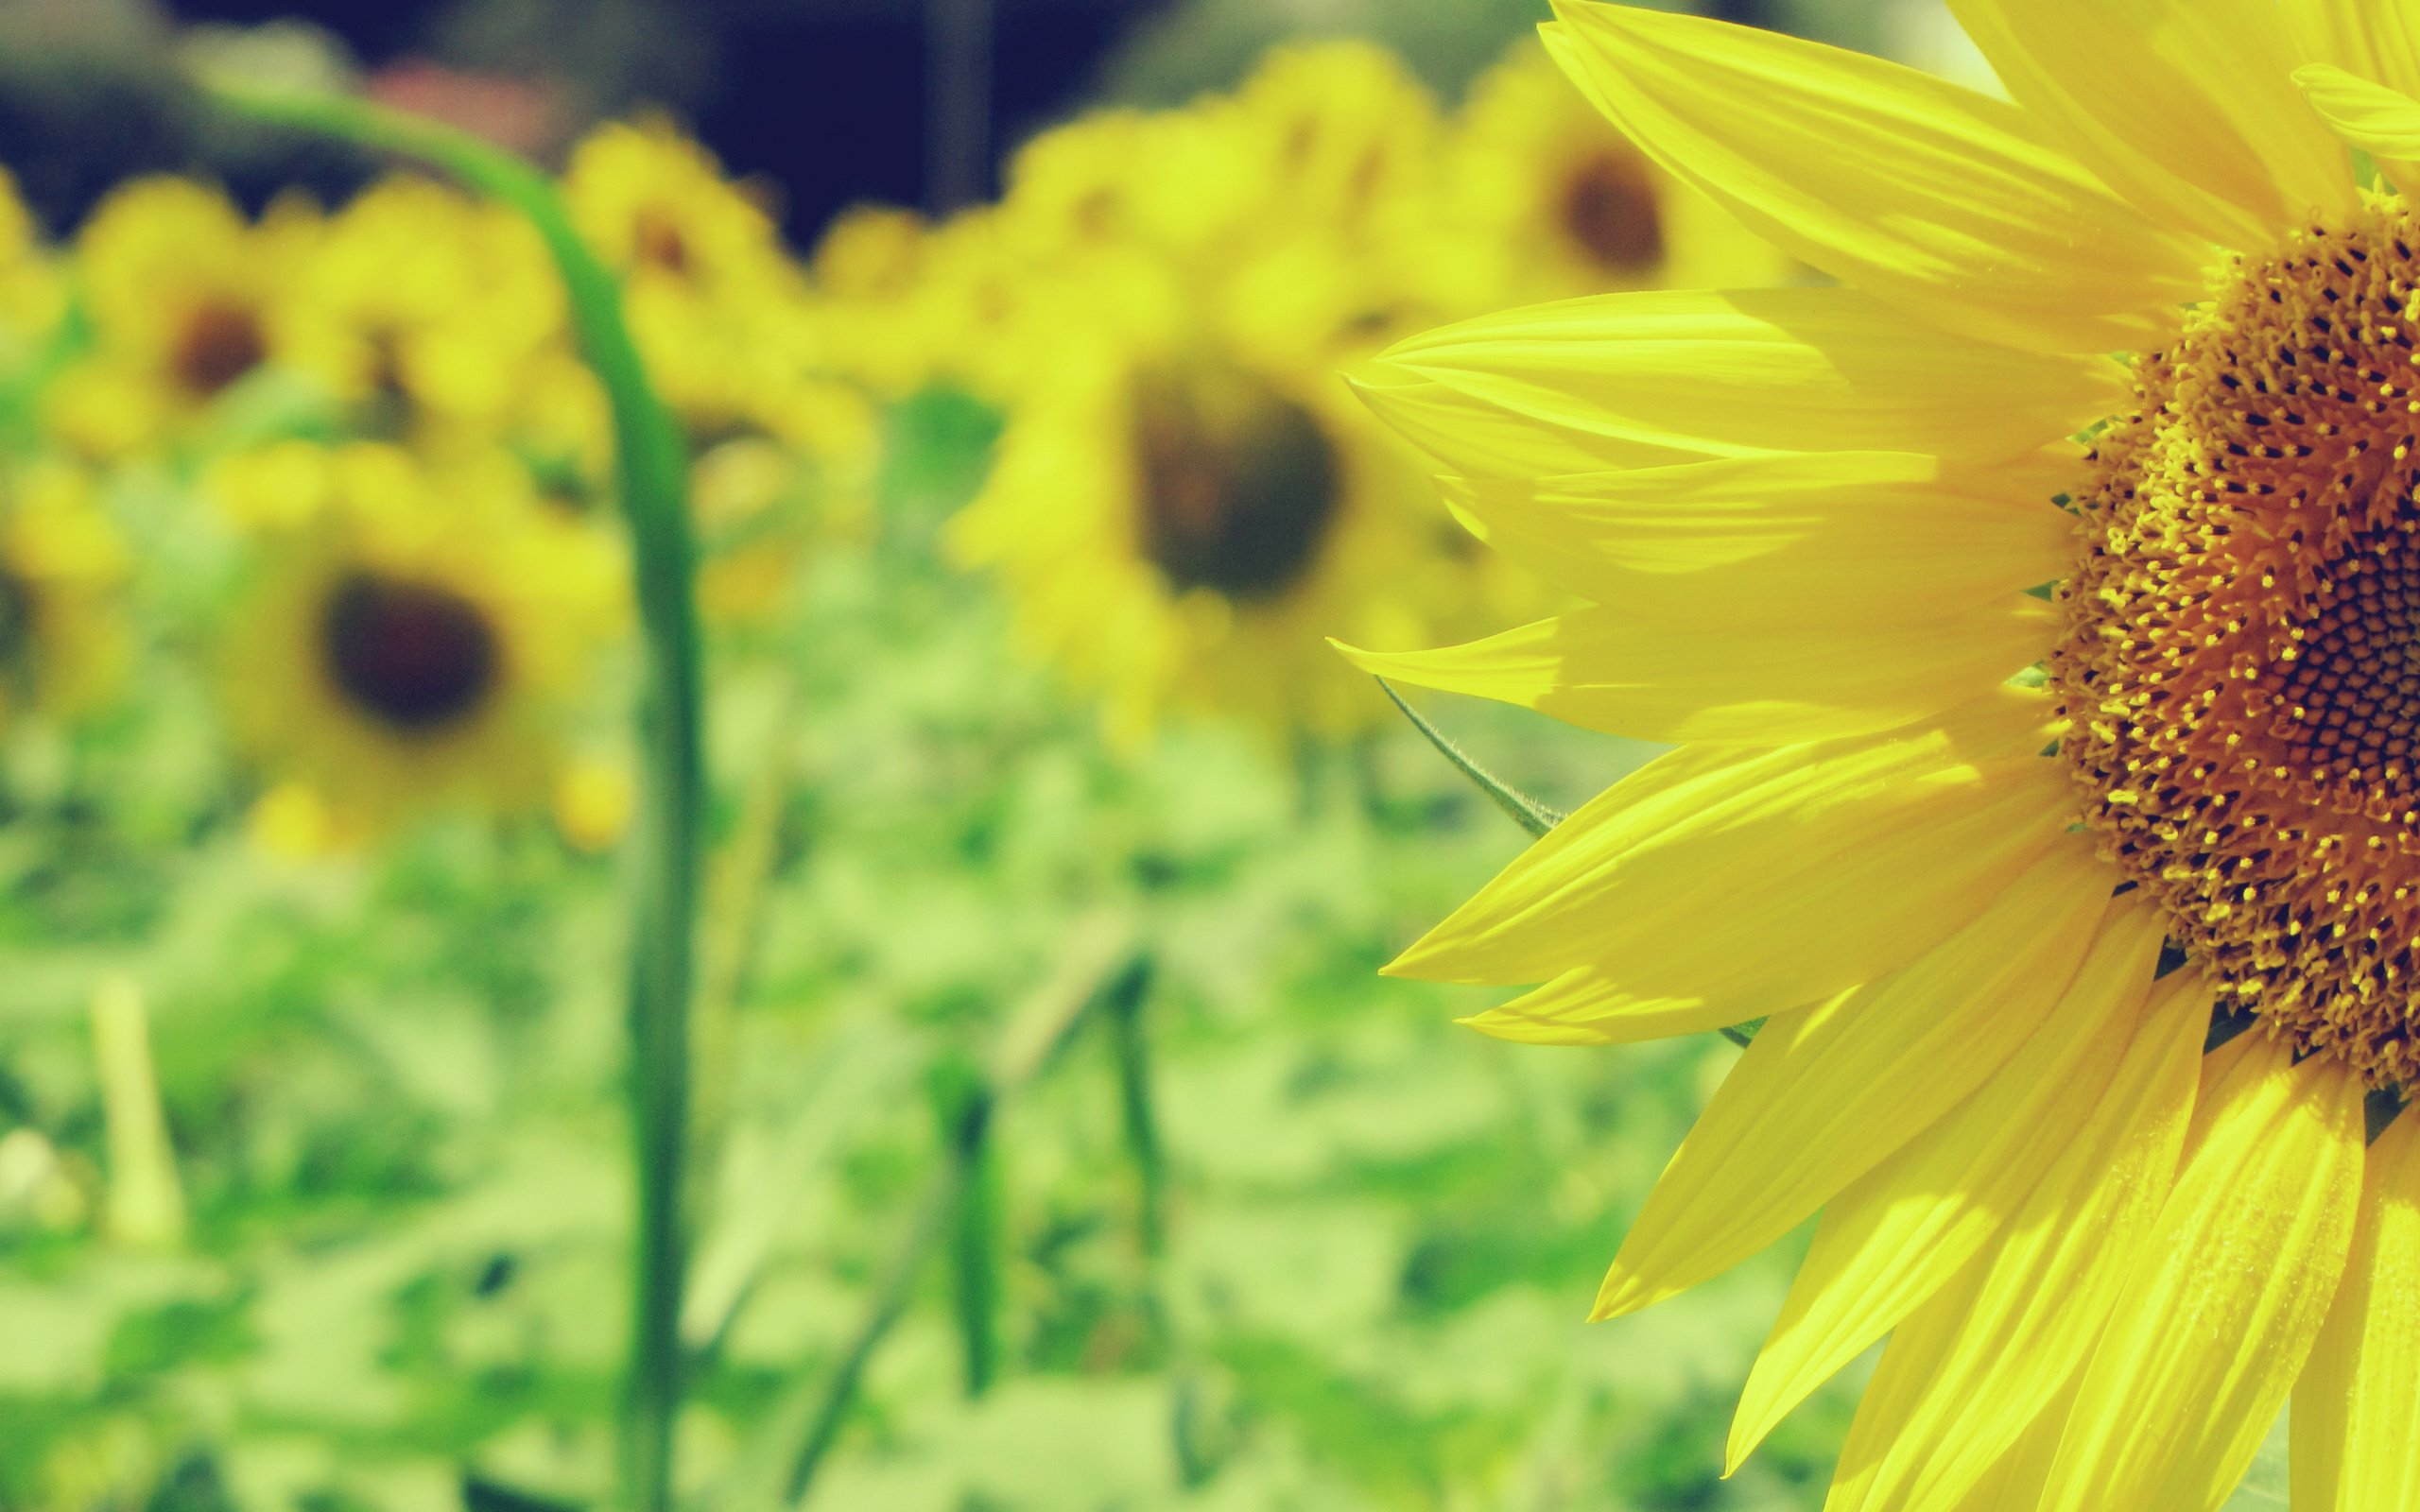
(650, 465)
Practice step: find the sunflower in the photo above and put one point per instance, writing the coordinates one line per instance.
(430, 314)
(1184, 500)
(32, 294)
(1556, 201)
(63, 566)
(186, 300)
(2013, 768)
(417, 637)
(711, 294)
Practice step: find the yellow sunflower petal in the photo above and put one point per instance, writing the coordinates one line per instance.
(1821, 1098)
(1787, 538)
(2229, 1291)
(1765, 882)
(2183, 106)
(2354, 1445)
(1584, 1006)
(1634, 380)
(2381, 122)
(2363, 36)
(1901, 1232)
(1626, 671)
(1937, 199)
(1969, 1372)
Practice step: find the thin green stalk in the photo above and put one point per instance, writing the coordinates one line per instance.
(1098, 959)
(963, 1104)
(650, 465)
(1130, 1044)
(1526, 812)
(830, 1406)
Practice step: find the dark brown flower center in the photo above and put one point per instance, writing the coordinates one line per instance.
(2241, 658)
(1238, 484)
(1610, 211)
(413, 654)
(660, 242)
(219, 342)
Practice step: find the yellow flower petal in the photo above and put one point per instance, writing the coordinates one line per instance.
(1765, 882)
(2183, 106)
(2357, 1409)
(2381, 122)
(1941, 201)
(1969, 1373)
(1788, 537)
(2228, 1292)
(1898, 1233)
(1620, 669)
(1638, 380)
(2363, 36)
(1586, 1006)
(1821, 1098)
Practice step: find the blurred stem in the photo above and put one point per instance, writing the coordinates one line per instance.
(1131, 1044)
(650, 465)
(1097, 957)
(736, 894)
(146, 1205)
(963, 1104)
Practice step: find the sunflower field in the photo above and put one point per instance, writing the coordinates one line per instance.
(1080, 837)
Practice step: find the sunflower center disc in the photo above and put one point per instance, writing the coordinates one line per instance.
(1238, 484)
(1609, 209)
(218, 344)
(415, 656)
(2241, 652)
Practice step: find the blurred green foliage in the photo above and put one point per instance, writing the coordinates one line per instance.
(392, 1087)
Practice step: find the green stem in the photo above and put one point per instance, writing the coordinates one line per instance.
(1526, 812)
(1130, 1042)
(963, 1102)
(650, 465)
(1098, 960)
(830, 1408)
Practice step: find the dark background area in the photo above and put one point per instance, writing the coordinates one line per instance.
(830, 100)
(834, 101)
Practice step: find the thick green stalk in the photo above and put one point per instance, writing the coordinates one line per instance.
(650, 465)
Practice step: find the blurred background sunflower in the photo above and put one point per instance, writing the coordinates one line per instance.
(1049, 1142)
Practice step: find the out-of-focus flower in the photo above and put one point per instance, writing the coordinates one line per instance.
(63, 566)
(419, 635)
(708, 286)
(1549, 200)
(187, 300)
(871, 292)
(593, 799)
(1186, 498)
(430, 315)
